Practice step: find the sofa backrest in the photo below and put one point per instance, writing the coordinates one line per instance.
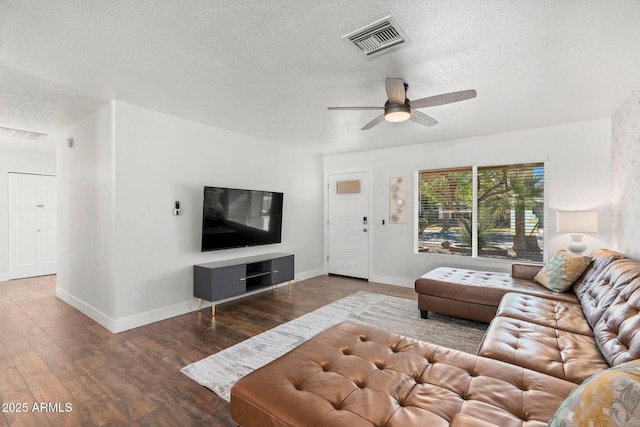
(609, 294)
(601, 282)
(600, 260)
(617, 332)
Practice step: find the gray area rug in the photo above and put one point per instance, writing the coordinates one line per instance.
(221, 370)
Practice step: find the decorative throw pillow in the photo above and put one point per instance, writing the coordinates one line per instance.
(564, 268)
(608, 398)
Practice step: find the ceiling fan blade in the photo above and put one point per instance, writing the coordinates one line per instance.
(395, 90)
(445, 98)
(374, 122)
(355, 108)
(423, 119)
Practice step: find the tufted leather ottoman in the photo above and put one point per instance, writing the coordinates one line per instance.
(352, 375)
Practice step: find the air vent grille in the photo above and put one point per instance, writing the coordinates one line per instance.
(377, 37)
(21, 134)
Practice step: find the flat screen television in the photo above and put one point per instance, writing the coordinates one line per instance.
(235, 218)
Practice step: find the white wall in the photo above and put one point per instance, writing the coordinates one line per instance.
(86, 216)
(625, 161)
(156, 159)
(24, 161)
(578, 176)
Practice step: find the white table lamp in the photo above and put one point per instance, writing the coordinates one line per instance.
(576, 223)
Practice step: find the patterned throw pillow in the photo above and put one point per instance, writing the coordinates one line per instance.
(608, 398)
(564, 268)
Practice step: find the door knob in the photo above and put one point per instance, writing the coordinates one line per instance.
(365, 229)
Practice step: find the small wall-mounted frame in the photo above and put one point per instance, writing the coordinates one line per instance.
(398, 200)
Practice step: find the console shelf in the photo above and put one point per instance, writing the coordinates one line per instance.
(215, 281)
(251, 276)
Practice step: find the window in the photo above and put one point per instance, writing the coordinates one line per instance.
(445, 211)
(489, 212)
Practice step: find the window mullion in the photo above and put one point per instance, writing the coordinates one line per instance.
(474, 213)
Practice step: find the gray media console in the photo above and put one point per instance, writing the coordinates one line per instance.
(215, 281)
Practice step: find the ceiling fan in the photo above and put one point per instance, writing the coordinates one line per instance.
(399, 108)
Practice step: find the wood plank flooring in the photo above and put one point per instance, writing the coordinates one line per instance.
(60, 368)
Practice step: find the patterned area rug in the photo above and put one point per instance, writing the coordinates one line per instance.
(221, 370)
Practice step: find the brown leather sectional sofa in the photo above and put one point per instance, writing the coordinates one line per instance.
(536, 350)
(569, 335)
(573, 340)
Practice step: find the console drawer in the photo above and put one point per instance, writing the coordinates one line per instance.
(219, 283)
(281, 270)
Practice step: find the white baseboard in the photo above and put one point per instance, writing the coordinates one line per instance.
(129, 322)
(397, 281)
(309, 274)
(87, 309)
(4, 277)
(125, 323)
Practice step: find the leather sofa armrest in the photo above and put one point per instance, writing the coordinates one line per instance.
(524, 271)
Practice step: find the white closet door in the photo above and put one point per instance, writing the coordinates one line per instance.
(32, 225)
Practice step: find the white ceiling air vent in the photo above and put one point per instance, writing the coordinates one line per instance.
(378, 37)
(21, 134)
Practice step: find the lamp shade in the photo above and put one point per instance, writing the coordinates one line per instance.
(577, 222)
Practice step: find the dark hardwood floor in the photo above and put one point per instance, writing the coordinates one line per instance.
(58, 367)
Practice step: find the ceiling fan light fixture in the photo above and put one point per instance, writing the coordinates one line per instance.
(397, 113)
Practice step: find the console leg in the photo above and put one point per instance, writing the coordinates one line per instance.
(199, 304)
(424, 314)
(289, 286)
(213, 309)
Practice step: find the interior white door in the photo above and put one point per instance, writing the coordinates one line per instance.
(32, 225)
(349, 224)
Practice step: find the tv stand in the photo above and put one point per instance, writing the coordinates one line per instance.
(215, 281)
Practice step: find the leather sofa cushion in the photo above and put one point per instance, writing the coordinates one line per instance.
(481, 287)
(618, 330)
(597, 294)
(567, 355)
(563, 315)
(353, 375)
(600, 260)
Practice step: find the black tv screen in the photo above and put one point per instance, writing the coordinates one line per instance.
(234, 218)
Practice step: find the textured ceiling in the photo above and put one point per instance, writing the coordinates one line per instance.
(269, 69)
